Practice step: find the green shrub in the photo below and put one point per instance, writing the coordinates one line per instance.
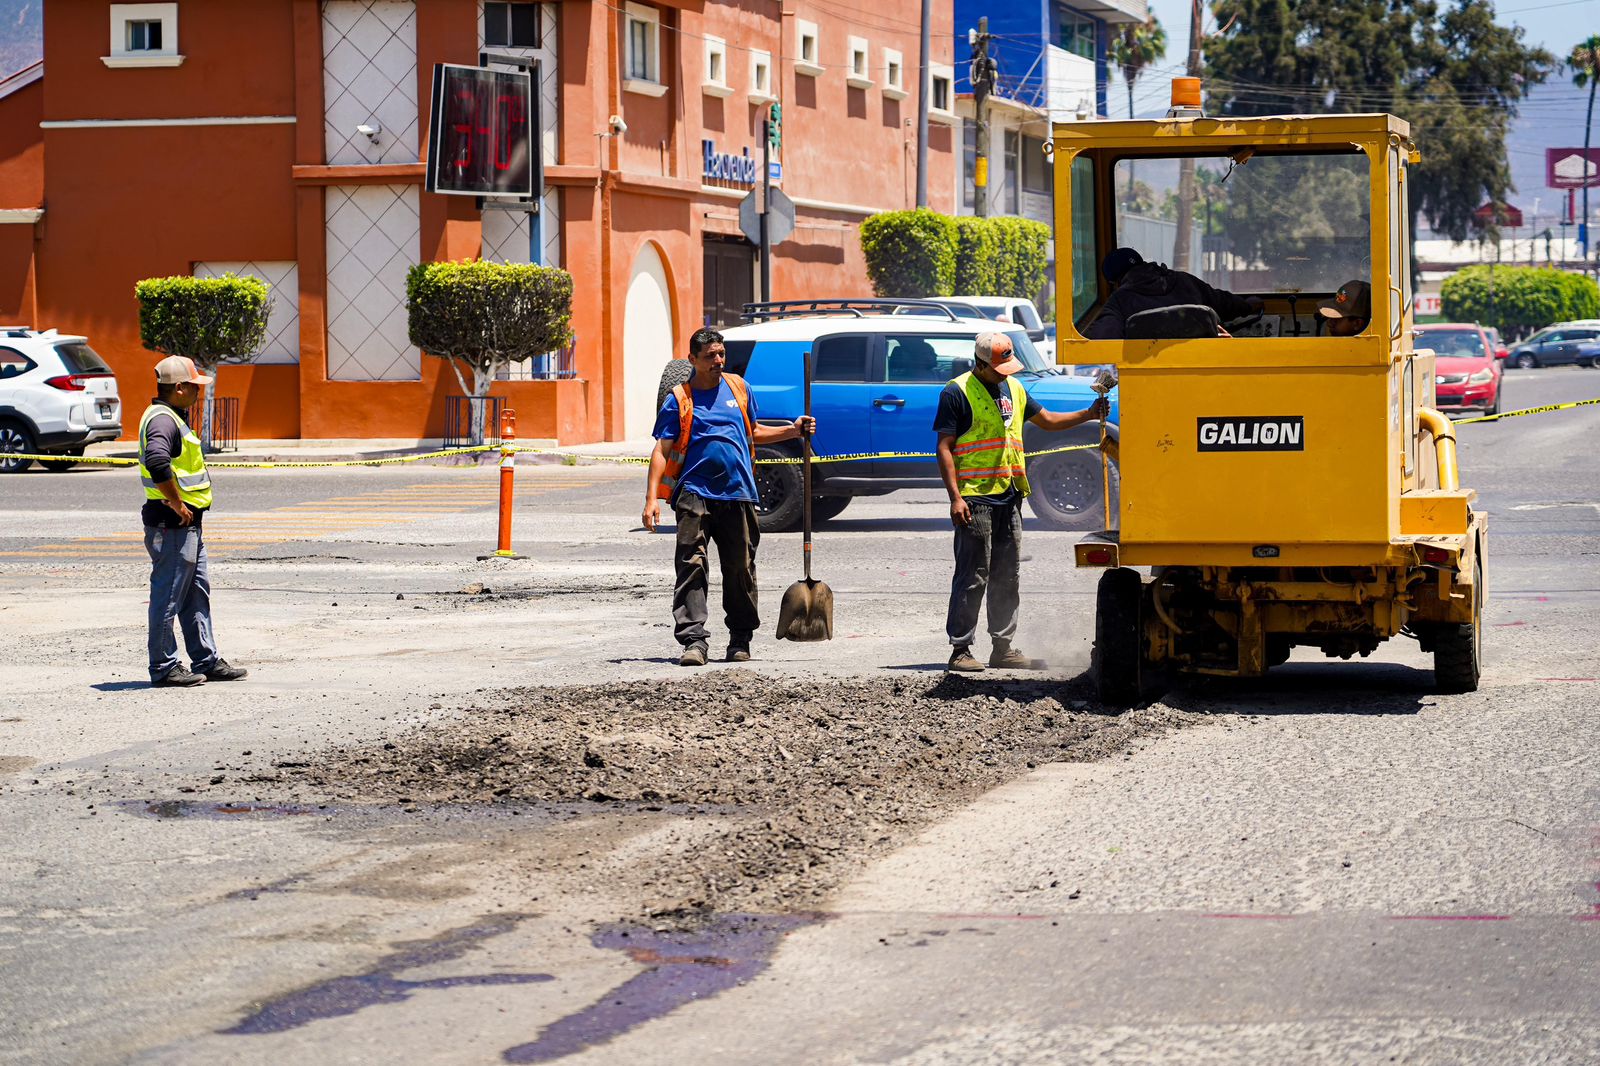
(209, 320)
(1518, 299)
(1020, 266)
(977, 255)
(910, 253)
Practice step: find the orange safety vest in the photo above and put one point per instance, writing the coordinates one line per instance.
(680, 446)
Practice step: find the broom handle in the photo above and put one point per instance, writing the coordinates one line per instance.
(805, 473)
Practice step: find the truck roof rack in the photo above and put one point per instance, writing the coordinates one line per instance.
(15, 331)
(858, 308)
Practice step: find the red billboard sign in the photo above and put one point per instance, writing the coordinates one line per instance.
(1571, 168)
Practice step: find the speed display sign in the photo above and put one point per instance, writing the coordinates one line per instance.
(484, 128)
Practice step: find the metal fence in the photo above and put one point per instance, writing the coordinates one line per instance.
(551, 366)
(458, 411)
(225, 429)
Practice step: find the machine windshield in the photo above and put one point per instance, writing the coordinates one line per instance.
(1262, 223)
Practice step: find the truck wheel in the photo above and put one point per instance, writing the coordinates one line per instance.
(1068, 492)
(826, 507)
(1458, 649)
(779, 490)
(1118, 660)
(14, 440)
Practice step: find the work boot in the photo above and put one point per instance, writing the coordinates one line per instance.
(179, 678)
(738, 653)
(693, 655)
(223, 672)
(961, 661)
(1005, 657)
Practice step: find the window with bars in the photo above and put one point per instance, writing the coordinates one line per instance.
(509, 25)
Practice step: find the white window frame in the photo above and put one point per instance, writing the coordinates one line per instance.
(121, 56)
(859, 75)
(718, 86)
(938, 72)
(760, 93)
(812, 67)
(894, 85)
(651, 18)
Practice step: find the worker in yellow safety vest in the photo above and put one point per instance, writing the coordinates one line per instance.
(177, 492)
(979, 426)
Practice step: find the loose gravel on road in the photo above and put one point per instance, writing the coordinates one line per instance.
(801, 781)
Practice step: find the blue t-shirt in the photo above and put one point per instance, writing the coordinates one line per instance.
(717, 464)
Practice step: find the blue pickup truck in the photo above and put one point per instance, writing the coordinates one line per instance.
(877, 379)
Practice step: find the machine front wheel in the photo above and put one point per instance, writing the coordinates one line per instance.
(1458, 648)
(1118, 658)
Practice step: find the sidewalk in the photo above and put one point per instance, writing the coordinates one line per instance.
(345, 449)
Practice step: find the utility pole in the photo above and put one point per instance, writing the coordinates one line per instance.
(923, 88)
(984, 70)
(1183, 239)
(772, 130)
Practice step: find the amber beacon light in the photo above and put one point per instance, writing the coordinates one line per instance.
(1186, 96)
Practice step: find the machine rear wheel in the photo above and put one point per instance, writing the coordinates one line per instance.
(1118, 659)
(1458, 649)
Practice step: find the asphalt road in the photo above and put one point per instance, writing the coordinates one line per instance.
(1334, 866)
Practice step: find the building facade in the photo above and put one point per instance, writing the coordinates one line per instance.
(287, 139)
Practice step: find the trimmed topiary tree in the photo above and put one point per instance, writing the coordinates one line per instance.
(977, 254)
(209, 320)
(486, 316)
(910, 253)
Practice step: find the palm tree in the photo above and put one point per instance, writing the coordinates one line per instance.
(1136, 47)
(1584, 62)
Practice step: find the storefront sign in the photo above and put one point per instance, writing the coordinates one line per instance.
(723, 166)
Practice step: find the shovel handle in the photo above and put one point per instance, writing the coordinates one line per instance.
(805, 471)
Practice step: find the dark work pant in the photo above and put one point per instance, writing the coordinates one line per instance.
(180, 590)
(731, 524)
(988, 557)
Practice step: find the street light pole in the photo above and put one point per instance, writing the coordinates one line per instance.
(923, 89)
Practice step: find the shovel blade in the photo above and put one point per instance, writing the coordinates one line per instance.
(806, 612)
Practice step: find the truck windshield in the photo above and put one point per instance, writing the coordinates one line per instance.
(1262, 223)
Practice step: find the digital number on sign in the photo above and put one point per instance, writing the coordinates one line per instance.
(482, 132)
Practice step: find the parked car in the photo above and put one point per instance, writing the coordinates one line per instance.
(878, 375)
(1014, 309)
(1466, 373)
(56, 396)
(1496, 345)
(1559, 345)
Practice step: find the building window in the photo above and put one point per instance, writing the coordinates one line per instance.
(941, 94)
(807, 50)
(143, 35)
(860, 75)
(511, 25)
(1077, 34)
(1035, 166)
(642, 45)
(716, 81)
(1012, 167)
(761, 78)
(894, 75)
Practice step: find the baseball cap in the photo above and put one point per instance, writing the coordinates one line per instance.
(1353, 300)
(995, 349)
(175, 369)
(1117, 263)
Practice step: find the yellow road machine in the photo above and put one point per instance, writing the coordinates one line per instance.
(1284, 478)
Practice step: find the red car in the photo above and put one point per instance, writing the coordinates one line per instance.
(1467, 375)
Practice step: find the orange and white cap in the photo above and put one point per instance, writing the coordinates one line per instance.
(176, 369)
(995, 350)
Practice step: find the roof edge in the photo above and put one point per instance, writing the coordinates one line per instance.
(21, 79)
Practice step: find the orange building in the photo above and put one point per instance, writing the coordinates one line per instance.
(285, 138)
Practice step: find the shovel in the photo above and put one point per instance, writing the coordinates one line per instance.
(806, 612)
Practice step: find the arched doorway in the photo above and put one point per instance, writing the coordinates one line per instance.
(646, 341)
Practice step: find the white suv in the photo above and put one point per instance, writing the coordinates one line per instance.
(56, 396)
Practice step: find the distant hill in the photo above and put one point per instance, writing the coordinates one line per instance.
(1551, 117)
(21, 34)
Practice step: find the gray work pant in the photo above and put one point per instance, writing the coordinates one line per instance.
(988, 558)
(731, 525)
(179, 589)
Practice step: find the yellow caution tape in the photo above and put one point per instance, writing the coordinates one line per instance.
(1527, 411)
(273, 465)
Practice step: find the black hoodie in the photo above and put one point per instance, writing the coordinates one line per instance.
(1152, 285)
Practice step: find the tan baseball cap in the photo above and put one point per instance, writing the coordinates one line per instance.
(995, 349)
(176, 369)
(1353, 300)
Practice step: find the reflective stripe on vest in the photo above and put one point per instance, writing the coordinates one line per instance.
(989, 456)
(680, 446)
(188, 466)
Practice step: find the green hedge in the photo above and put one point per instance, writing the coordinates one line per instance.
(488, 314)
(923, 253)
(1517, 300)
(208, 320)
(910, 253)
